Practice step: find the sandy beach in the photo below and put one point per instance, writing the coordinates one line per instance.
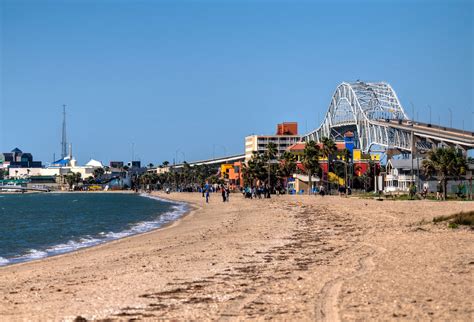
(286, 258)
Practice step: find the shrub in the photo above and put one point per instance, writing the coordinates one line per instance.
(461, 218)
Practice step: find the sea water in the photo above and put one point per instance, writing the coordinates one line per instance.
(34, 226)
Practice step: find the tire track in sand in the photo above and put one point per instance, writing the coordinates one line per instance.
(327, 306)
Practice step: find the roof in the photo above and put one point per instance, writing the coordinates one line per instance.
(16, 150)
(61, 162)
(405, 163)
(300, 146)
(94, 163)
(297, 146)
(305, 178)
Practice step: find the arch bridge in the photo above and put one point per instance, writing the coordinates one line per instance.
(372, 111)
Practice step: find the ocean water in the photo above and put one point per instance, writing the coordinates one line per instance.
(34, 226)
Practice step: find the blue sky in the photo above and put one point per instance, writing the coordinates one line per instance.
(199, 76)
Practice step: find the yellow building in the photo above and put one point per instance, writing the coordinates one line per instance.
(225, 169)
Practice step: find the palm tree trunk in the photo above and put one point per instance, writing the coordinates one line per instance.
(445, 188)
(310, 184)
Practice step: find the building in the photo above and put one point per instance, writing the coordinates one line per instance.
(232, 174)
(299, 183)
(360, 162)
(116, 164)
(286, 135)
(59, 168)
(18, 159)
(401, 174)
(287, 128)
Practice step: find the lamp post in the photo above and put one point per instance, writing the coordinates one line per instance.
(430, 113)
(413, 110)
(176, 156)
(270, 162)
(214, 149)
(450, 117)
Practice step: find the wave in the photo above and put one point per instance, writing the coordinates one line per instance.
(177, 210)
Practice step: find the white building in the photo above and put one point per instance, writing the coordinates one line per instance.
(58, 170)
(399, 174)
(258, 143)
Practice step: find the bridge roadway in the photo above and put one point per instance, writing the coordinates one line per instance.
(433, 132)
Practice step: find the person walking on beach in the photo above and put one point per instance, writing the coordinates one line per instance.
(223, 192)
(227, 193)
(439, 190)
(207, 195)
(321, 191)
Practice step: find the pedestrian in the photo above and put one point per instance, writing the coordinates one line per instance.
(322, 191)
(439, 190)
(227, 193)
(223, 194)
(207, 195)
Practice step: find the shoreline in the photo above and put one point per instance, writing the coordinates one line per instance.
(289, 257)
(99, 242)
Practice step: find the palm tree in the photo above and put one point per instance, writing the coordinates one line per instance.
(98, 173)
(310, 161)
(287, 166)
(270, 155)
(272, 151)
(446, 163)
(72, 178)
(328, 149)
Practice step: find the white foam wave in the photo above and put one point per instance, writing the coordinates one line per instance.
(177, 210)
(3, 261)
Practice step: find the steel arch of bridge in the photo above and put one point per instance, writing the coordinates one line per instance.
(374, 114)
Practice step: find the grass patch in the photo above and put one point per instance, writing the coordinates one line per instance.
(462, 218)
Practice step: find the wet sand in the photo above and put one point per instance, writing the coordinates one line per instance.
(287, 258)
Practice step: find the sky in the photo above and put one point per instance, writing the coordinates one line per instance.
(164, 80)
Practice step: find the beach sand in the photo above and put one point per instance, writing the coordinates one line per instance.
(287, 258)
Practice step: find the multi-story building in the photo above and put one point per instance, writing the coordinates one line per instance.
(286, 136)
(18, 159)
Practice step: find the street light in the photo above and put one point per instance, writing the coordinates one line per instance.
(176, 156)
(430, 113)
(270, 162)
(413, 110)
(450, 117)
(214, 149)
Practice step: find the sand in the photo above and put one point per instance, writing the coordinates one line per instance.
(287, 258)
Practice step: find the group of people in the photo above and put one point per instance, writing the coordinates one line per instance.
(207, 189)
(256, 192)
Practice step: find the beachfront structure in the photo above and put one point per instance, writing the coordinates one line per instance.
(299, 183)
(232, 173)
(18, 159)
(358, 161)
(401, 173)
(60, 168)
(286, 135)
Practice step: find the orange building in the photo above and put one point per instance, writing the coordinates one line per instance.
(287, 128)
(233, 173)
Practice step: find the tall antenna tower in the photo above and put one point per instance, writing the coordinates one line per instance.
(64, 140)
